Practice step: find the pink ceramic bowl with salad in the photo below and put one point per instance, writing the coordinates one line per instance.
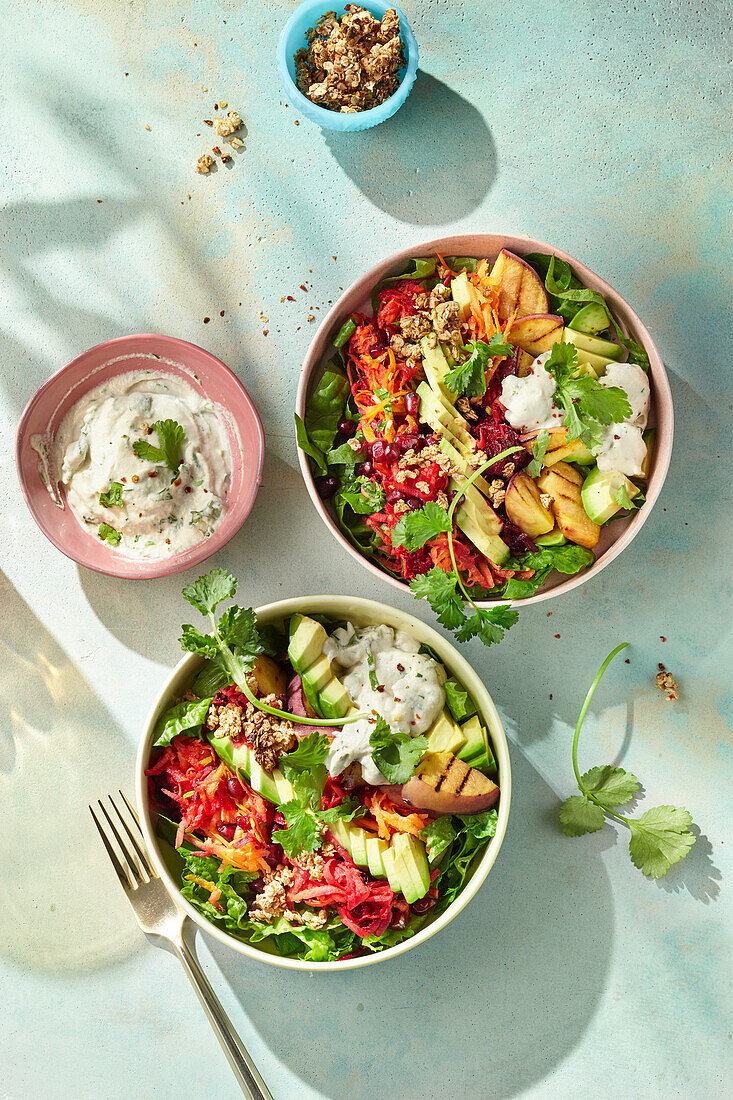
(141, 457)
(483, 420)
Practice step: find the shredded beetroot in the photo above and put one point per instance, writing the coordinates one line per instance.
(494, 438)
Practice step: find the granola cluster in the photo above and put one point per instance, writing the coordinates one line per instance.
(269, 737)
(271, 902)
(351, 64)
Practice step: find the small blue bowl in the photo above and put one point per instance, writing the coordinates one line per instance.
(292, 39)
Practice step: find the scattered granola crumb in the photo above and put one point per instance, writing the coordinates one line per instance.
(204, 163)
(667, 683)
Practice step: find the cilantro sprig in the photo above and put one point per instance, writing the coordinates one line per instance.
(587, 405)
(659, 837)
(171, 438)
(445, 592)
(469, 377)
(539, 449)
(396, 754)
(304, 819)
(235, 641)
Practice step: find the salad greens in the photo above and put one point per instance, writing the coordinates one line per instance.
(658, 838)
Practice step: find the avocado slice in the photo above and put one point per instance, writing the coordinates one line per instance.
(587, 358)
(334, 700)
(461, 294)
(494, 548)
(375, 849)
(458, 459)
(411, 862)
(358, 847)
(392, 870)
(591, 318)
(306, 642)
(598, 494)
(436, 367)
(341, 833)
(445, 735)
(552, 538)
(477, 751)
(271, 785)
(593, 344)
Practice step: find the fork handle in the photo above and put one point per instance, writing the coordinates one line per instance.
(250, 1082)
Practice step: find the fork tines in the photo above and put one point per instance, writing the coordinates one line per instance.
(131, 863)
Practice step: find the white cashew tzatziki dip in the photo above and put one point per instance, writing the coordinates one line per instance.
(171, 493)
(385, 674)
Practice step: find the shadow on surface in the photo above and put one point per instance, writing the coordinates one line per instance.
(402, 167)
(516, 978)
(59, 749)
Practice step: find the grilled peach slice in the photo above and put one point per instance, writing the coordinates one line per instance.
(523, 503)
(266, 678)
(520, 287)
(443, 784)
(537, 332)
(563, 484)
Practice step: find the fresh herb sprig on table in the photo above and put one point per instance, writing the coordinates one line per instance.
(445, 592)
(659, 837)
(235, 641)
(171, 438)
(469, 378)
(588, 406)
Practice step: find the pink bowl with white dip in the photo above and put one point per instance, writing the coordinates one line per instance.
(192, 370)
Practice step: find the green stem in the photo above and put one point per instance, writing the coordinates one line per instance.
(237, 672)
(579, 724)
(454, 503)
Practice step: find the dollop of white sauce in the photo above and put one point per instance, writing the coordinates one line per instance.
(529, 405)
(622, 449)
(630, 378)
(528, 400)
(409, 691)
(161, 513)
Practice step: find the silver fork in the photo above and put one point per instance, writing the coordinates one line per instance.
(157, 915)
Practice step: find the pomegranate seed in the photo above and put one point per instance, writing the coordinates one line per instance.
(326, 487)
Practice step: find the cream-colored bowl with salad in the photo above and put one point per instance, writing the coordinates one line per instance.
(323, 782)
(483, 420)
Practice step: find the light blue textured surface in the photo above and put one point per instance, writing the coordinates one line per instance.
(603, 127)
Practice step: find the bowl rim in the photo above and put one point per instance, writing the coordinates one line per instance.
(464, 244)
(358, 120)
(167, 566)
(453, 660)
